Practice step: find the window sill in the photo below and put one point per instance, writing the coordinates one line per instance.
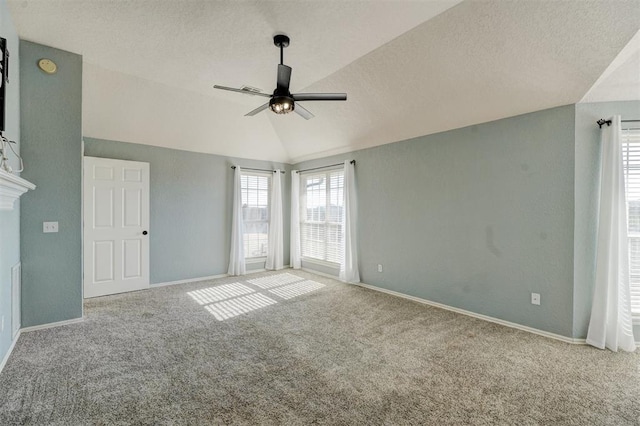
(321, 262)
(256, 259)
(635, 320)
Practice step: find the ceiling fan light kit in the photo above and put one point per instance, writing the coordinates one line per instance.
(282, 101)
(281, 104)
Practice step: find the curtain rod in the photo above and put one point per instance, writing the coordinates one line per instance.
(259, 170)
(324, 167)
(602, 122)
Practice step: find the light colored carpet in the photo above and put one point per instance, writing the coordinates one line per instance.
(306, 350)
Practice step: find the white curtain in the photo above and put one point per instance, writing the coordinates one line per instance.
(296, 253)
(611, 325)
(236, 257)
(276, 245)
(349, 267)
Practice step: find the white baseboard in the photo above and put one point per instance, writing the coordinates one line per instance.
(190, 280)
(51, 325)
(476, 315)
(8, 354)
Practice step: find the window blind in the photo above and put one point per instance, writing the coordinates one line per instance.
(255, 213)
(631, 164)
(322, 211)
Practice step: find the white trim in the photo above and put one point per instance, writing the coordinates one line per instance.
(253, 271)
(211, 277)
(476, 315)
(82, 224)
(16, 297)
(255, 172)
(11, 188)
(251, 260)
(321, 169)
(51, 325)
(323, 274)
(8, 354)
(190, 280)
(320, 262)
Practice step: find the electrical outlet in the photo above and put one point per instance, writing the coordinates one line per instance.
(535, 298)
(379, 267)
(49, 227)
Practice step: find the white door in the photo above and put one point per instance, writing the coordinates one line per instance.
(116, 226)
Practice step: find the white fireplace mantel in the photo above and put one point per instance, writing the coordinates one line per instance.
(11, 188)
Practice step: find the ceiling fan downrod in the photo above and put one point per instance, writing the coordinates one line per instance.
(281, 41)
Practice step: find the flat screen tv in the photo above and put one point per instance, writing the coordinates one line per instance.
(4, 79)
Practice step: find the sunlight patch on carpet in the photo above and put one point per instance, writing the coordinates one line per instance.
(218, 293)
(293, 290)
(234, 307)
(274, 280)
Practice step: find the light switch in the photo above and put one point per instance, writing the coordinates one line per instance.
(49, 227)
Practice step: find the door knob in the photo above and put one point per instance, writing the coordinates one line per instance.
(144, 232)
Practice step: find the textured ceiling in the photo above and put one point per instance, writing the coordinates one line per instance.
(476, 62)
(621, 80)
(409, 67)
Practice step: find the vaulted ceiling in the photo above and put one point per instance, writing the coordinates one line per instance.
(410, 68)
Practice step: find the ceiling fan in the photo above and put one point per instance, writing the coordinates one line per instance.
(282, 101)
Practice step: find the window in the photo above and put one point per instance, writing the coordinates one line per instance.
(255, 213)
(631, 163)
(321, 205)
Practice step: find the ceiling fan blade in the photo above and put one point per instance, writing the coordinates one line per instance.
(246, 92)
(319, 96)
(257, 110)
(303, 112)
(284, 77)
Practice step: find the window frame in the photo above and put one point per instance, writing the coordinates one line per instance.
(635, 235)
(269, 176)
(326, 223)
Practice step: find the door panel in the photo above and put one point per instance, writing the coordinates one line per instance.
(131, 258)
(131, 175)
(116, 212)
(103, 261)
(132, 203)
(103, 173)
(103, 208)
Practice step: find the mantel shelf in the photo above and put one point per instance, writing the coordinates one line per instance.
(11, 188)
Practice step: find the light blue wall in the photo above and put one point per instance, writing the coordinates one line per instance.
(51, 129)
(9, 220)
(190, 199)
(587, 154)
(476, 218)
